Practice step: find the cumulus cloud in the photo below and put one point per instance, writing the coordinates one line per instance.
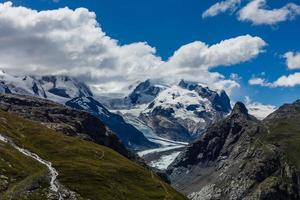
(258, 109)
(221, 7)
(292, 60)
(257, 13)
(193, 61)
(66, 41)
(288, 81)
(227, 52)
(259, 81)
(291, 80)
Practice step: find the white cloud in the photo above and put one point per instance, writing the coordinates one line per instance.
(291, 80)
(193, 61)
(259, 81)
(292, 60)
(258, 109)
(257, 13)
(221, 7)
(227, 52)
(66, 41)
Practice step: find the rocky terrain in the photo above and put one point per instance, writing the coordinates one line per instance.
(241, 157)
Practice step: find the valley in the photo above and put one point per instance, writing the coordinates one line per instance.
(186, 135)
(149, 100)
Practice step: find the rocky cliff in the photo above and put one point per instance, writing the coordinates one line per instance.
(241, 157)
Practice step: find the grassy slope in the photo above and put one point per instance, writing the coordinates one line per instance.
(91, 170)
(286, 134)
(19, 173)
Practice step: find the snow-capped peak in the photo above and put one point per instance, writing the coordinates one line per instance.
(182, 103)
(56, 88)
(63, 87)
(20, 84)
(183, 111)
(145, 92)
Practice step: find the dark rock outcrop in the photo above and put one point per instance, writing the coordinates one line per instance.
(238, 158)
(144, 92)
(220, 102)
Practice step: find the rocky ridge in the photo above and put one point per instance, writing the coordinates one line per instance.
(62, 119)
(241, 157)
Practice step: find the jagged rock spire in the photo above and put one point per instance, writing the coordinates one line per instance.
(240, 109)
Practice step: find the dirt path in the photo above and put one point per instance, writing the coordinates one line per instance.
(54, 185)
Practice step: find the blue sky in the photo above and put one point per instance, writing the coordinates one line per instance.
(169, 24)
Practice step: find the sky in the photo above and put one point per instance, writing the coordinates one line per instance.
(250, 48)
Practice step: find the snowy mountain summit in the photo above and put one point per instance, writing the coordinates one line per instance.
(181, 112)
(177, 112)
(145, 92)
(75, 94)
(57, 88)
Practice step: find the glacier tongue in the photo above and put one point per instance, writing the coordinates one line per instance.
(163, 162)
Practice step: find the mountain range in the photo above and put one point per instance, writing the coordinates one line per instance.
(187, 134)
(68, 91)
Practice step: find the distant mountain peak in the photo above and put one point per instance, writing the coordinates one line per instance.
(145, 92)
(239, 108)
(59, 88)
(188, 84)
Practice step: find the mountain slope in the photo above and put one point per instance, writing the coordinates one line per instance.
(241, 157)
(62, 119)
(284, 130)
(128, 134)
(64, 89)
(90, 170)
(19, 174)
